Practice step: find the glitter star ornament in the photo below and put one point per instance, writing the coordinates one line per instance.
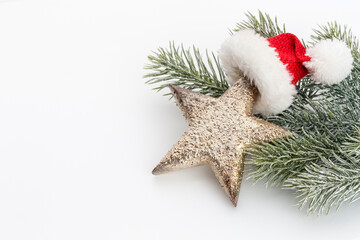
(220, 129)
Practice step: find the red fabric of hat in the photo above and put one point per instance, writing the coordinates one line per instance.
(292, 53)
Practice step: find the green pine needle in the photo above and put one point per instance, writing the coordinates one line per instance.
(186, 68)
(263, 24)
(327, 184)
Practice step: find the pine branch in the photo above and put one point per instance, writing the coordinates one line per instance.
(327, 115)
(279, 160)
(323, 174)
(327, 185)
(186, 68)
(263, 24)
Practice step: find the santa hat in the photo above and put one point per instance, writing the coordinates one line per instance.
(276, 64)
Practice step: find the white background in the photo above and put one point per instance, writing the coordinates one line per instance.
(80, 131)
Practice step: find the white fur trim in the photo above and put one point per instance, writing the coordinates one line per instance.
(331, 61)
(247, 53)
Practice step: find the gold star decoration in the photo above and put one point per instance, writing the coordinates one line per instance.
(219, 131)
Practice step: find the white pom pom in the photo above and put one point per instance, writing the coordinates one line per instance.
(331, 61)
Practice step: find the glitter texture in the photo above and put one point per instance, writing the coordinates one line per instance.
(219, 131)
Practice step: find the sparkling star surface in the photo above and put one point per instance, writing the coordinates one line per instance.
(219, 131)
